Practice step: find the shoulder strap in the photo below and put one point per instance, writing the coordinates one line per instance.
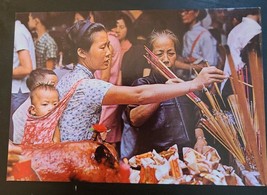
(195, 42)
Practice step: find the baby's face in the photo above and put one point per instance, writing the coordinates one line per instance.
(44, 101)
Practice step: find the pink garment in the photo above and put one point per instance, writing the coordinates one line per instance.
(39, 130)
(111, 114)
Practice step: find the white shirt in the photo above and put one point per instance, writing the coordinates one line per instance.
(238, 38)
(22, 41)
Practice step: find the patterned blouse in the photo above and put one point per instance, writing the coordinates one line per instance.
(84, 108)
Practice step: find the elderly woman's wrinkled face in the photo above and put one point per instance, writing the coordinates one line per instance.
(164, 49)
(99, 55)
(189, 16)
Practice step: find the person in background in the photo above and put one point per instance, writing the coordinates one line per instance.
(19, 117)
(23, 63)
(45, 46)
(134, 64)
(162, 124)
(218, 25)
(198, 43)
(239, 37)
(91, 52)
(124, 31)
(217, 29)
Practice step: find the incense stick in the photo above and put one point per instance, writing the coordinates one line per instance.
(216, 124)
(248, 126)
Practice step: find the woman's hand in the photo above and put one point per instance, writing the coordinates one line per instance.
(207, 76)
(14, 153)
(200, 143)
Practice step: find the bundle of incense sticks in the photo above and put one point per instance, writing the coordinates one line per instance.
(167, 73)
(217, 123)
(251, 115)
(246, 138)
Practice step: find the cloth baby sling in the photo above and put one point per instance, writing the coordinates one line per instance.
(39, 130)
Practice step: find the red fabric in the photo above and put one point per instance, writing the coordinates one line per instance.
(40, 130)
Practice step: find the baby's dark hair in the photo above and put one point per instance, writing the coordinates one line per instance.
(80, 35)
(37, 76)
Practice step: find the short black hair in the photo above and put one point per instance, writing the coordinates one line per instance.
(36, 76)
(42, 16)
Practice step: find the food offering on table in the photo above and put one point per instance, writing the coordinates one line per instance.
(195, 169)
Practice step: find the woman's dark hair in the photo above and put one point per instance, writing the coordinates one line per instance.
(42, 16)
(80, 35)
(129, 25)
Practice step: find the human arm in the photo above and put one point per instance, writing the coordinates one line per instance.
(200, 140)
(141, 113)
(56, 136)
(181, 65)
(14, 153)
(50, 64)
(25, 65)
(146, 72)
(146, 94)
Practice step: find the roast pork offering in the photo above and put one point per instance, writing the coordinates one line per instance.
(88, 161)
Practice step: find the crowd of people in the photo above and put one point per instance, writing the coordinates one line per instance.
(74, 70)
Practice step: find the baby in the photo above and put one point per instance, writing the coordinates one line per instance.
(44, 98)
(40, 126)
(20, 116)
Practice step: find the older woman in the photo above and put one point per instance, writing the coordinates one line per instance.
(91, 52)
(162, 124)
